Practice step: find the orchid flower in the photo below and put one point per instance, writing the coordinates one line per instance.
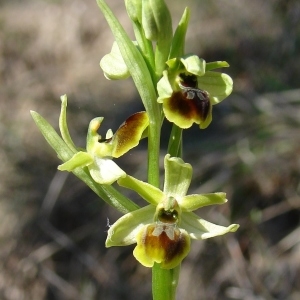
(100, 151)
(163, 229)
(189, 89)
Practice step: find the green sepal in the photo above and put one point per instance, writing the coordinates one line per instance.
(178, 176)
(147, 191)
(79, 159)
(193, 202)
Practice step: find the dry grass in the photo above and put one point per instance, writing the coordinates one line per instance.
(52, 229)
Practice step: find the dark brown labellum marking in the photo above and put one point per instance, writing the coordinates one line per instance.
(104, 140)
(200, 99)
(166, 216)
(188, 80)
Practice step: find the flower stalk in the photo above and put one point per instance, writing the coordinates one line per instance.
(173, 86)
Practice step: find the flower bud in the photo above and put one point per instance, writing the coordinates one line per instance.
(156, 20)
(134, 10)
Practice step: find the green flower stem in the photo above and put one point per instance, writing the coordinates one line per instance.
(146, 48)
(106, 192)
(164, 282)
(145, 86)
(175, 141)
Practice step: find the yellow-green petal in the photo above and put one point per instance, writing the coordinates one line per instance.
(164, 88)
(113, 64)
(129, 133)
(105, 171)
(178, 176)
(193, 202)
(123, 232)
(79, 159)
(148, 192)
(194, 65)
(218, 85)
(198, 228)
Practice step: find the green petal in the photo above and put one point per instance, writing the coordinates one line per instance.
(113, 64)
(80, 159)
(147, 191)
(216, 65)
(123, 232)
(164, 88)
(201, 229)
(218, 85)
(194, 65)
(105, 171)
(193, 202)
(129, 133)
(178, 175)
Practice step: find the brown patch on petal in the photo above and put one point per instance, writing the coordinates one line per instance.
(129, 133)
(173, 248)
(188, 80)
(191, 103)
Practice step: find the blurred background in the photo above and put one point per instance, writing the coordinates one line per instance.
(53, 228)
